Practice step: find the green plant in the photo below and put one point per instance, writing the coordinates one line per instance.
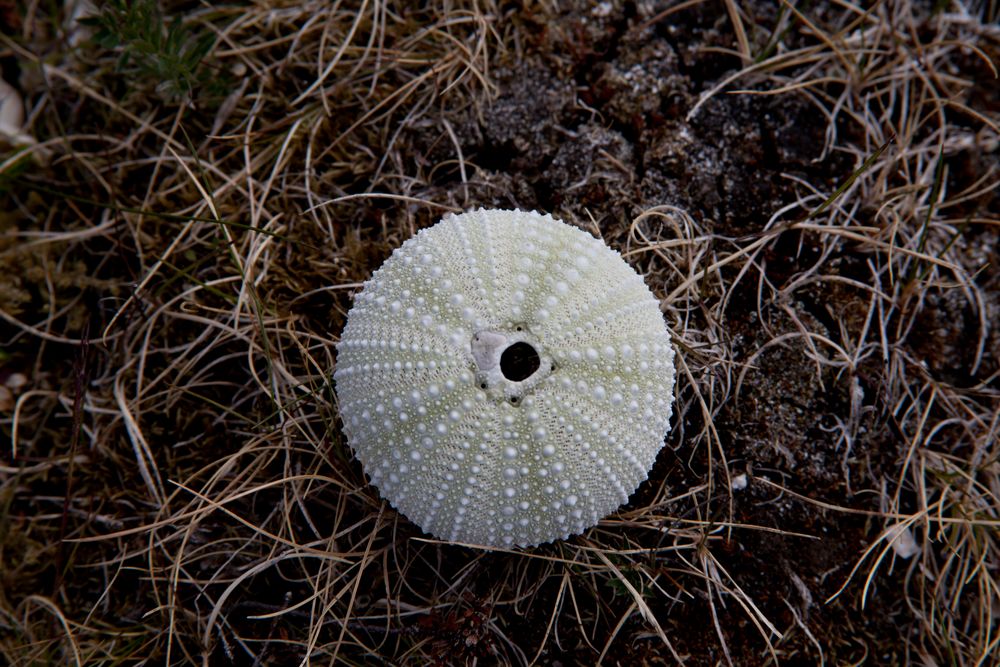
(151, 48)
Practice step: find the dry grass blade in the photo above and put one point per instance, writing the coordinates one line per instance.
(638, 603)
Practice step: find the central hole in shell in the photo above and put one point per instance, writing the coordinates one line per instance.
(519, 362)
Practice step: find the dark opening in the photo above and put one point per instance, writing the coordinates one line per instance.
(519, 362)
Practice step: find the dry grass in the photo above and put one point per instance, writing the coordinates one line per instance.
(178, 265)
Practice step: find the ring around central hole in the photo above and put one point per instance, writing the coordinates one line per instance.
(519, 362)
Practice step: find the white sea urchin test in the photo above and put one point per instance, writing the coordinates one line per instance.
(505, 379)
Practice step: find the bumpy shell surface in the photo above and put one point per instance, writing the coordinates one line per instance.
(473, 442)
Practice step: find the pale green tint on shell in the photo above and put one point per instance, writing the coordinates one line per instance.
(462, 451)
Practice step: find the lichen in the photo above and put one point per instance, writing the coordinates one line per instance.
(505, 379)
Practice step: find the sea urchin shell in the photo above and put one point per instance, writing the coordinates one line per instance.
(505, 379)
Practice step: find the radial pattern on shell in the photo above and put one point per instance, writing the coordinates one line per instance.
(505, 379)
